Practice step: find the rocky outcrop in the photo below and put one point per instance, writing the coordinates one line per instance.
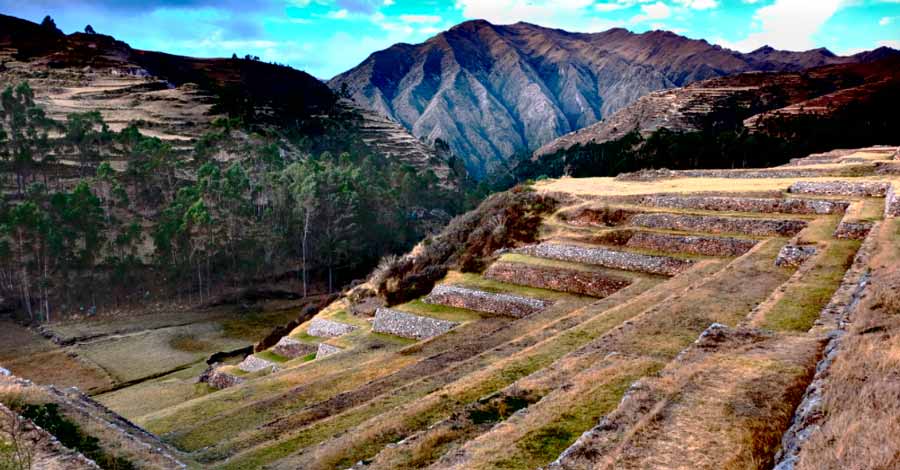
(692, 244)
(255, 364)
(841, 188)
(328, 328)
(624, 260)
(748, 204)
(326, 350)
(715, 224)
(491, 91)
(481, 301)
(292, 348)
(4, 372)
(408, 325)
(564, 280)
(794, 255)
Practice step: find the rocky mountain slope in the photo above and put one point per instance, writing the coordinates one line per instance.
(751, 97)
(491, 91)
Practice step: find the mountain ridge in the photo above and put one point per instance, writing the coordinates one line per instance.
(492, 91)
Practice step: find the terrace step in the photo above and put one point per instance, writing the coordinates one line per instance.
(516, 306)
(408, 325)
(662, 265)
(716, 224)
(692, 244)
(728, 378)
(748, 204)
(559, 279)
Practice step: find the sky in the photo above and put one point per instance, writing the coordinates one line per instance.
(326, 37)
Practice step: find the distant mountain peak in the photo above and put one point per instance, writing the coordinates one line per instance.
(492, 91)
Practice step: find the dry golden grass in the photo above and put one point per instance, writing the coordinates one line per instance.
(611, 187)
(861, 398)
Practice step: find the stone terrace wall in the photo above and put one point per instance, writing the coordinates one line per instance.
(609, 258)
(327, 328)
(559, 279)
(694, 244)
(841, 188)
(748, 204)
(852, 229)
(500, 304)
(794, 255)
(326, 350)
(407, 325)
(254, 364)
(292, 348)
(218, 379)
(714, 224)
(650, 175)
(47, 451)
(892, 202)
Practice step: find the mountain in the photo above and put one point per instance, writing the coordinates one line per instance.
(748, 99)
(492, 91)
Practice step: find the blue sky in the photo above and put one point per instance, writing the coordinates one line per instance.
(326, 37)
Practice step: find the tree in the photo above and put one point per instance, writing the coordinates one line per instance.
(25, 131)
(48, 23)
(89, 30)
(87, 132)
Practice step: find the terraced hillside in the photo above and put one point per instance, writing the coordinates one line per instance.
(650, 317)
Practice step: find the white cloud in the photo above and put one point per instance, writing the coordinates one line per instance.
(543, 12)
(388, 3)
(885, 21)
(892, 43)
(420, 18)
(698, 4)
(610, 6)
(787, 24)
(653, 11)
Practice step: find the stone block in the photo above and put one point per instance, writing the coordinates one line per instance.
(292, 348)
(327, 328)
(255, 364)
(624, 260)
(794, 255)
(558, 279)
(326, 350)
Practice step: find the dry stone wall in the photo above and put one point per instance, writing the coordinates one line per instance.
(714, 224)
(327, 328)
(559, 279)
(255, 364)
(408, 325)
(219, 379)
(852, 230)
(292, 348)
(841, 188)
(624, 260)
(472, 299)
(326, 350)
(892, 202)
(748, 204)
(794, 255)
(693, 244)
